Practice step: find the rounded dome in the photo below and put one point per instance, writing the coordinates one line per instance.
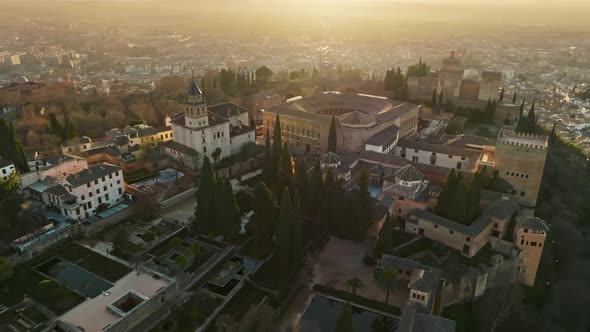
(21, 80)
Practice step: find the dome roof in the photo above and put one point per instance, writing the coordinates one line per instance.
(409, 173)
(330, 159)
(21, 80)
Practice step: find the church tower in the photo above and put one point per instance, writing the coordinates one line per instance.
(195, 108)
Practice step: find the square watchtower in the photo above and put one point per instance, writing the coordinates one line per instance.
(520, 159)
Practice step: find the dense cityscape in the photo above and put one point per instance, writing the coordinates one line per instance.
(294, 170)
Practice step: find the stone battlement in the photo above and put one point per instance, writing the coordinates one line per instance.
(511, 137)
(491, 75)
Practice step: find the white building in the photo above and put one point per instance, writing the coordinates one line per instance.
(82, 194)
(202, 130)
(6, 168)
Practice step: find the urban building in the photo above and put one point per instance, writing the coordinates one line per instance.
(6, 168)
(217, 131)
(83, 194)
(408, 189)
(305, 122)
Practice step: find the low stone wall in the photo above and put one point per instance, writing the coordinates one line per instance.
(89, 230)
(175, 199)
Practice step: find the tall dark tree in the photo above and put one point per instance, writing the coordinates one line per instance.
(262, 218)
(316, 189)
(204, 221)
(344, 322)
(285, 175)
(458, 210)
(227, 213)
(447, 194)
(10, 201)
(385, 241)
(302, 184)
(531, 119)
(283, 238)
(474, 197)
(522, 122)
(296, 234)
(332, 136)
(263, 75)
(11, 147)
(502, 95)
(514, 98)
(267, 168)
(440, 98)
(277, 144)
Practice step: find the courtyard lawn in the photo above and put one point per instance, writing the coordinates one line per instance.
(190, 315)
(239, 304)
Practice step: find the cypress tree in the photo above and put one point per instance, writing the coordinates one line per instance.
(514, 98)
(502, 95)
(385, 241)
(316, 189)
(301, 182)
(276, 147)
(227, 211)
(458, 208)
(332, 136)
(344, 322)
(204, 221)
(267, 168)
(440, 98)
(447, 194)
(283, 236)
(11, 147)
(474, 197)
(54, 126)
(262, 218)
(520, 127)
(531, 119)
(285, 176)
(296, 234)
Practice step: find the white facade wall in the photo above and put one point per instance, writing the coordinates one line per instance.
(442, 160)
(106, 190)
(238, 141)
(204, 140)
(6, 171)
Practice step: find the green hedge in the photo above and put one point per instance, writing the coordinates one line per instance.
(355, 299)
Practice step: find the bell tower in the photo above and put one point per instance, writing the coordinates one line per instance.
(195, 107)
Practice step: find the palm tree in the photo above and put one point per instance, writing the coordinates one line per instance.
(383, 324)
(388, 275)
(353, 284)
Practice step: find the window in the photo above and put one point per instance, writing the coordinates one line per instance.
(110, 176)
(100, 200)
(435, 226)
(416, 150)
(462, 158)
(521, 242)
(89, 205)
(495, 225)
(83, 198)
(533, 243)
(401, 198)
(451, 232)
(450, 156)
(95, 182)
(522, 194)
(120, 191)
(97, 191)
(118, 181)
(415, 159)
(90, 194)
(526, 230)
(468, 239)
(459, 165)
(103, 179)
(106, 197)
(104, 188)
